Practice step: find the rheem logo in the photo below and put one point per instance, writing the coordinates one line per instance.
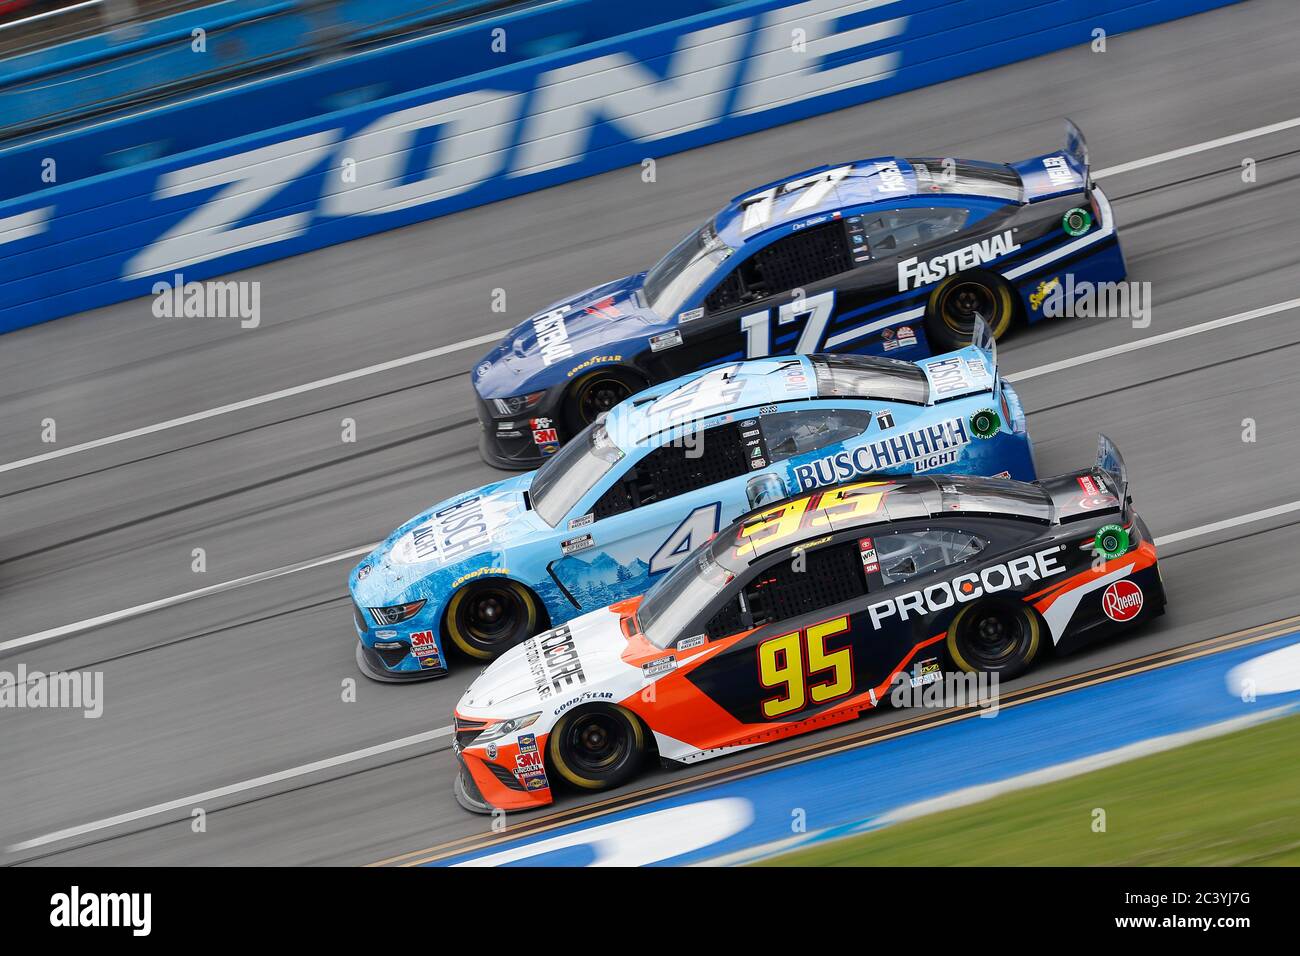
(1122, 601)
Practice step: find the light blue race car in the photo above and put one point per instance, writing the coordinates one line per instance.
(636, 492)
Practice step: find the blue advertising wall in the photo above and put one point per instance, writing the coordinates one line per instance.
(137, 201)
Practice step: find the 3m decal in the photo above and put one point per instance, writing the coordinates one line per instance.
(423, 644)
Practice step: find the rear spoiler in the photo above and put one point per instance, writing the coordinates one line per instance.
(1111, 463)
(982, 339)
(1076, 150)
(1053, 174)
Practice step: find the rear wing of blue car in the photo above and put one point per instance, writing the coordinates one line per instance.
(983, 340)
(1053, 174)
(968, 371)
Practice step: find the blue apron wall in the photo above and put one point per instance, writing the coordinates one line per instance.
(86, 242)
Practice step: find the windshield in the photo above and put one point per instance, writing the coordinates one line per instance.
(687, 589)
(680, 273)
(575, 469)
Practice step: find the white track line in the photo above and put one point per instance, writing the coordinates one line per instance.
(443, 731)
(1151, 340)
(1226, 523)
(209, 795)
(493, 337)
(114, 617)
(1198, 148)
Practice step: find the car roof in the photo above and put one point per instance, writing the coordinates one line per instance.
(708, 393)
(871, 181)
(873, 504)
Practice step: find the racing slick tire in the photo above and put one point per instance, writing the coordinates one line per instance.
(596, 392)
(995, 637)
(597, 748)
(492, 615)
(953, 305)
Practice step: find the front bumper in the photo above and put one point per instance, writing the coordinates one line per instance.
(384, 654)
(374, 667)
(508, 776)
(513, 447)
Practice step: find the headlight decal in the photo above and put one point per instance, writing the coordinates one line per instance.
(396, 614)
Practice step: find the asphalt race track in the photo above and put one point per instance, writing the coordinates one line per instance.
(243, 682)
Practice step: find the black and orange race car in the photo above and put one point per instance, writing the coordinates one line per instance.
(807, 613)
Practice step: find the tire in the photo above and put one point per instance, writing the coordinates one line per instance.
(492, 615)
(598, 391)
(597, 748)
(950, 312)
(995, 637)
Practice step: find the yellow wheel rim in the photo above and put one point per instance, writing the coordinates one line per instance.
(555, 752)
(952, 287)
(464, 639)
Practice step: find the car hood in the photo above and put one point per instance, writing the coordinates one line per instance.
(549, 347)
(451, 534)
(584, 656)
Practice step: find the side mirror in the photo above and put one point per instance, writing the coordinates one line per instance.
(764, 489)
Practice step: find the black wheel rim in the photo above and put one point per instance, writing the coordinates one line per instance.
(491, 615)
(597, 743)
(963, 301)
(599, 396)
(992, 638)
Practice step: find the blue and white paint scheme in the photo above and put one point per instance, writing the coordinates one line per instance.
(633, 494)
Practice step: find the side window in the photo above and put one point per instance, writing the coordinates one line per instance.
(797, 260)
(674, 469)
(726, 622)
(905, 555)
(896, 231)
(787, 434)
(791, 587)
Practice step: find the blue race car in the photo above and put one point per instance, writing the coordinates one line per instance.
(635, 493)
(885, 256)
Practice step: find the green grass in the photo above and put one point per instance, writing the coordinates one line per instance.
(1228, 801)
